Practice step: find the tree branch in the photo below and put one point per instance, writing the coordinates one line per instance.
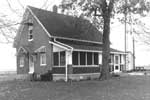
(9, 4)
(44, 4)
(21, 4)
(111, 6)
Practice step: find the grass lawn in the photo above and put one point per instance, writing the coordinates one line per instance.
(123, 88)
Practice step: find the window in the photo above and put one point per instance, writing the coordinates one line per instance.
(95, 58)
(30, 29)
(30, 33)
(75, 58)
(56, 59)
(85, 58)
(59, 58)
(22, 61)
(116, 59)
(43, 59)
(82, 58)
(62, 58)
(89, 58)
(111, 59)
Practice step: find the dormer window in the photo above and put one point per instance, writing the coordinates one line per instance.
(30, 30)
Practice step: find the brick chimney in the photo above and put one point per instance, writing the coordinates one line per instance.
(55, 8)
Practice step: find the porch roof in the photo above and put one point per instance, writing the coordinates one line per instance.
(86, 46)
(76, 46)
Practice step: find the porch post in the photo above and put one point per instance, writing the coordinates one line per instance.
(100, 61)
(114, 64)
(66, 74)
(68, 62)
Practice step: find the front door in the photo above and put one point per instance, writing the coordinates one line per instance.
(31, 64)
(116, 63)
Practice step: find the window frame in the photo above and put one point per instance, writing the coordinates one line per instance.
(116, 59)
(43, 54)
(97, 58)
(84, 56)
(86, 65)
(76, 58)
(30, 30)
(62, 62)
(30, 34)
(55, 58)
(59, 64)
(88, 59)
(22, 61)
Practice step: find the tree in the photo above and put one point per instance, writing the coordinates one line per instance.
(107, 9)
(142, 32)
(7, 30)
(10, 20)
(106, 12)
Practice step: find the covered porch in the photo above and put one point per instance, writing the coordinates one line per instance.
(74, 61)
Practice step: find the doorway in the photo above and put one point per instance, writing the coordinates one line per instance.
(31, 64)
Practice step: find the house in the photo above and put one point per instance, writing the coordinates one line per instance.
(70, 47)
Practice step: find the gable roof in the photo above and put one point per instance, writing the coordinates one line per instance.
(60, 25)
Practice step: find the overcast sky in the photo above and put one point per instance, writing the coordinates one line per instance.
(13, 12)
(7, 52)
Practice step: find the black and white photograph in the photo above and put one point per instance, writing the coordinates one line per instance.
(75, 50)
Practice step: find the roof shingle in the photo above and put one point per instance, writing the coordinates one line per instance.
(78, 45)
(61, 25)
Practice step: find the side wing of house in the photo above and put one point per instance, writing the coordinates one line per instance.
(32, 46)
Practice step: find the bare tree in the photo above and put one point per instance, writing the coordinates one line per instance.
(8, 26)
(142, 33)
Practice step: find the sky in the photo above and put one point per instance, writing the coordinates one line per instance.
(142, 52)
(8, 53)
